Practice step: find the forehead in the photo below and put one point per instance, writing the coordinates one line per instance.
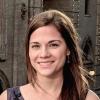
(46, 32)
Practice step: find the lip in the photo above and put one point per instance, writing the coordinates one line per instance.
(45, 63)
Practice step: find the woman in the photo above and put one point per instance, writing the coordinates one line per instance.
(54, 63)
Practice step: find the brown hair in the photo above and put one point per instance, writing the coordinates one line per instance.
(75, 85)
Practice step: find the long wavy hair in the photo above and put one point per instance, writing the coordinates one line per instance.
(75, 85)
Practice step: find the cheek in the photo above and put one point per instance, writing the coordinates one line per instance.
(62, 52)
(62, 59)
(31, 54)
(32, 58)
(60, 55)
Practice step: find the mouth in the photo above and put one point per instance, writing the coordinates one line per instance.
(45, 63)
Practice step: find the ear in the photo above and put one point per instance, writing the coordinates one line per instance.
(68, 52)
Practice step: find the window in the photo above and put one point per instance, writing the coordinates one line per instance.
(87, 7)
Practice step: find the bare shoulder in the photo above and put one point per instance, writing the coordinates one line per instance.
(3, 96)
(25, 90)
(25, 87)
(92, 96)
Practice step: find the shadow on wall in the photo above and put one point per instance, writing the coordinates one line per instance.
(87, 48)
(4, 83)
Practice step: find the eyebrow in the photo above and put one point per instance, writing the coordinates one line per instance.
(34, 42)
(54, 41)
(48, 42)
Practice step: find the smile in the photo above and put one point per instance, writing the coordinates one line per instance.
(45, 63)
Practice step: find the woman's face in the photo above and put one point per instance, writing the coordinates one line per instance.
(47, 51)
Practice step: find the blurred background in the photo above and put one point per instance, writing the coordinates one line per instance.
(14, 19)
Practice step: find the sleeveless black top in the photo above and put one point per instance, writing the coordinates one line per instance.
(14, 94)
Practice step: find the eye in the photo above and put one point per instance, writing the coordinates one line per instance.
(35, 46)
(54, 45)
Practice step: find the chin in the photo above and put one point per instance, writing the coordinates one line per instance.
(46, 73)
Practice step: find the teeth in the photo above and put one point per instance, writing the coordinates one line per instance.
(46, 62)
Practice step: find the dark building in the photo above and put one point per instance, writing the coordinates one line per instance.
(14, 18)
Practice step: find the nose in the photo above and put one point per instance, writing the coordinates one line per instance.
(44, 53)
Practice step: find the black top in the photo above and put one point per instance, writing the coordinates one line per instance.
(14, 94)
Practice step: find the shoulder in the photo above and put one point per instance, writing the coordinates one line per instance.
(25, 89)
(28, 91)
(92, 96)
(3, 96)
(9, 93)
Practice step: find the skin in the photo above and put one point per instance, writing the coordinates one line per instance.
(90, 96)
(47, 52)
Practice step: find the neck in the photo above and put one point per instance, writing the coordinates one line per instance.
(49, 85)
